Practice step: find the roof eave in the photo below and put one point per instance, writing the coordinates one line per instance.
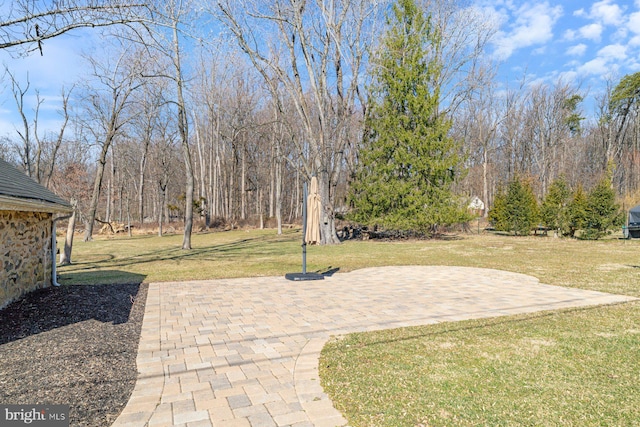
(8, 203)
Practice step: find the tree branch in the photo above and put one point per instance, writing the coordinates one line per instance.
(29, 23)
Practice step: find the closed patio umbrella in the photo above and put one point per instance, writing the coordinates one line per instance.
(314, 206)
(310, 229)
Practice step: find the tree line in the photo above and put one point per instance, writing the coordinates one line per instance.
(588, 215)
(219, 112)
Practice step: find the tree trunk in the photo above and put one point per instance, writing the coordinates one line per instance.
(328, 235)
(188, 211)
(110, 191)
(272, 179)
(485, 183)
(65, 256)
(230, 184)
(97, 184)
(183, 128)
(167, 214)
(217, 178)
(278, 183)
(259, 209)
(243, 183)
(143, 166)
(296, 197)
(163, 197)
(128, 216)
(203, 169)
(120, 201)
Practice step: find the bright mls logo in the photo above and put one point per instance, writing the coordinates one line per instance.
(34, 415)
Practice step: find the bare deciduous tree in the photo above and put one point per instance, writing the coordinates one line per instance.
(163, 170)
(107, 110)
(26, 148)
(479, 123)
(56, 142)
(465, 31)
(28, 23)
(72, 181)
(166, 39)
(37, 152)
(548, 125)
(145, 127)
(618, 130)
(316, 53)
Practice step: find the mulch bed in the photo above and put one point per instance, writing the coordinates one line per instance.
(73, 345)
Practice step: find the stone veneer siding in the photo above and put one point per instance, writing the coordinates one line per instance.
(25, 253)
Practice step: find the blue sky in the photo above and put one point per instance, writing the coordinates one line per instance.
(61, 65)
(579, 41)
(583, 42)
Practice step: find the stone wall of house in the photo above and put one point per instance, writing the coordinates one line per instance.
(25, 253)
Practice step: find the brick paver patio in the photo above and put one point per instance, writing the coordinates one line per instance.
(244, 352)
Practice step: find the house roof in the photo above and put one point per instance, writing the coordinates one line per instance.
(20, 192)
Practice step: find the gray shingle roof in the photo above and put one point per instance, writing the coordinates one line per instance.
(14, 183)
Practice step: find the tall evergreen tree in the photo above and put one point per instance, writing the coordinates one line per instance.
(578, 211)
(603, 213)
(408, 161)
(515, 210)
(555, 207)
(498, 214)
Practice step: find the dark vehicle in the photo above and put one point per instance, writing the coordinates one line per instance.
(634, 222)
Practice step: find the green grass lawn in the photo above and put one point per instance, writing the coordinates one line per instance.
(610, 265)
(214, 255)
(566, 368)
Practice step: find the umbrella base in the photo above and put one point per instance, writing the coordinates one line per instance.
(303, 276)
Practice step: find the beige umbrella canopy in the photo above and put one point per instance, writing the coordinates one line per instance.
(314, 206)
(311, 229)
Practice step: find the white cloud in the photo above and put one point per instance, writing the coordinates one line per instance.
(613, 52)
(592, 40)
(591, 32)
(570, 35)
(539, 51)
(568, 77)
(577, 50)
(607, 13)
(534, 81)
(633, 23)
(580, 13)
(495, 17)
(597, 66)
(533, 26)
(608, 60)
(620, 33)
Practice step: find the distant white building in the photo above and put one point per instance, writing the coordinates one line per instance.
(476, 205)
